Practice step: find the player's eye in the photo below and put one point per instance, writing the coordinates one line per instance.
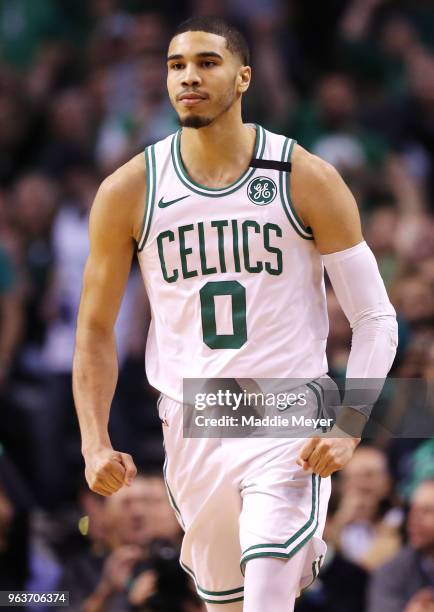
(176, 66)
(208, 64)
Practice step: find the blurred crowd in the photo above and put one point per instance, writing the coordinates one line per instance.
(82, 89)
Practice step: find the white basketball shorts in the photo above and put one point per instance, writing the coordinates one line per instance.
(238, 499)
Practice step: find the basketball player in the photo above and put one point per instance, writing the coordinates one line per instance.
(233, 222)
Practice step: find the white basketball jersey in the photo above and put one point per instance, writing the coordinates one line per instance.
(234, 280)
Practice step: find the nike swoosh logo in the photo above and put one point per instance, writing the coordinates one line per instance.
(162, 204)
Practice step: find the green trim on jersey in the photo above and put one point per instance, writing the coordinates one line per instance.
(285, 196)
(293, 545)
(218, 597)
(318, 398)
(151, 178)
(214, 192)
(318, 384)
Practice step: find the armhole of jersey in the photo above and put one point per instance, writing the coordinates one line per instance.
(150, 195)
(285, 195)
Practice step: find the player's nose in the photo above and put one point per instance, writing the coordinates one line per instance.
(191, 76)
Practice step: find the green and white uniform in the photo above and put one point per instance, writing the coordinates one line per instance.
(236, 290)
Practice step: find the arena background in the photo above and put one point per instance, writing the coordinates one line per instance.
(82, 89)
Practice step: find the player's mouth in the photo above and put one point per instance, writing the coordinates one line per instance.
(191, 98)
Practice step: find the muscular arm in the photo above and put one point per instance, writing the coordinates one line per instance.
(331, 211)
(113, 226)
(325, 203)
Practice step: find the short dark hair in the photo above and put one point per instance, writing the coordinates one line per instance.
(235, 39)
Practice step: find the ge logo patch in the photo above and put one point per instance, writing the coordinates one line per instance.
(261, 190)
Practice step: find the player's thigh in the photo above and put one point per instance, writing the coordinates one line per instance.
(232, 607)
(284, 511)
(207, 502)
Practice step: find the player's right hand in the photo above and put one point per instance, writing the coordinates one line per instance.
(108, 470)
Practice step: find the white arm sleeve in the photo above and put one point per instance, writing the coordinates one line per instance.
(360, 290)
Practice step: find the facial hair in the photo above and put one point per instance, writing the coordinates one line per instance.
(197, 121)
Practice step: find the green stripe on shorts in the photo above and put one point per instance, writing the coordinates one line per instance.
(215, 597)
(295, 542)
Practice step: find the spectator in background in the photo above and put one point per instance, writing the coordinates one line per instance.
(72, 126)
(23, 26)
(272, 97)
(413, 459)
(330, 127)
(11, 317)
(61, 238)
(150, 116)
(406, 583)
(339, 339)
(12, 325)
(144, 540)
(426, 270)
(414, 298)
(366, 525)
(35, 201)
(82, 568)
(341, 585)
(414, 236)
(128, 54)
(15, 128)
(422, 464)
(82, 87)
(56, 449)
(70, 248)
(411, 450)
(380, 232)
(25, 562)
(406, 122)
(375, 48)
(124, 529)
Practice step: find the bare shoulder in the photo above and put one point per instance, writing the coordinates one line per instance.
(311, 174)
(324, 202)
(121, 196)
(127, 179)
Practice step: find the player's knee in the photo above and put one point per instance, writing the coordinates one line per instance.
(264, 573)
(272, 584)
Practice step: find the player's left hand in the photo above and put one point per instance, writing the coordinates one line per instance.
(326, 453)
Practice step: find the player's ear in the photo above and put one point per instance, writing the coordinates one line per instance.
(244, 77)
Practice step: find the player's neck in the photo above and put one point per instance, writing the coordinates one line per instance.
(218, 154)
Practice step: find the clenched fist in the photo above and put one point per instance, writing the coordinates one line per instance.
(108, 470)
(326, 454)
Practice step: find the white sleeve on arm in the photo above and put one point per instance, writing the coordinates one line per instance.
(360, 291)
